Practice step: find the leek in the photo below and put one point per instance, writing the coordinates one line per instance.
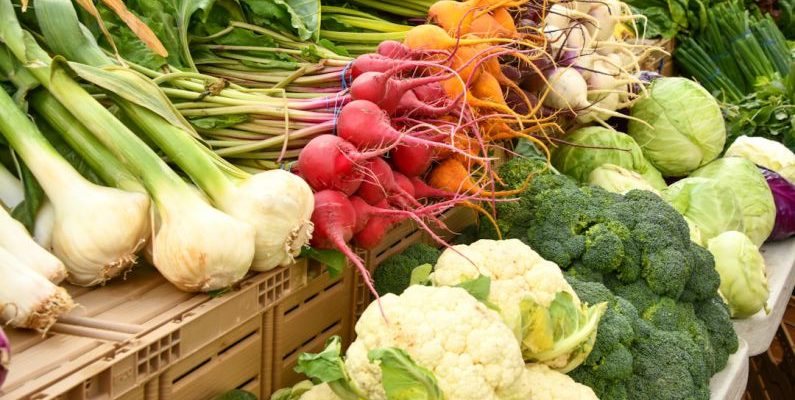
(15, 238)
(97, 230)
(11, 192)
(27, 300)
(277, 204)
(196, 247)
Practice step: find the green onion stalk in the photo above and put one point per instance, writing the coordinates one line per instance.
(195, 246)
(277, 204)
(97, 230)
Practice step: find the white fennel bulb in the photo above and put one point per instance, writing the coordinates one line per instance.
(27, 299)
(42, 230)
(11, 191)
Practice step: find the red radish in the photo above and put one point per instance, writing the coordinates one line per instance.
(380, 183)
(430, 93)
(394, 49)
(384, 90)
(367, 126)
(412, 160)
(423, 191)
(404, 182)
(411, 104)
(373, 63)
(330, 162)
(375, 230)
(334, 218)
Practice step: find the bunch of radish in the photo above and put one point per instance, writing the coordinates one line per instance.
(591, 70)
(417, 135)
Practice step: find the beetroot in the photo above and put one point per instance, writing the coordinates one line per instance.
(413, 159)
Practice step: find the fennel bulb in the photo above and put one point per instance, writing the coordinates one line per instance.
(97, 229)
(15, 238)
(27, 300)
(42, 229)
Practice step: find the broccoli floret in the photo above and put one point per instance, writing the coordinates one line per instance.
(667, 271)
(604, 246)
(667, 366)
(637, 293)
(715, 315)
(514, 173)
(422, 253)
(704, 278)
(394, 274)
(670, 315)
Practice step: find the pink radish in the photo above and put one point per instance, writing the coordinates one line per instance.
(375, 230)
(334, 218)
(380, 183)
(373, 63)
(412, 160)
(367, 126)
(404, 183)
(330, 162)
(384, 90)
(395, 50)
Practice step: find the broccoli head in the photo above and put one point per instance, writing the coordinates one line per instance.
(704, 278)
(393, 275)
(715, 315)
(668, 366)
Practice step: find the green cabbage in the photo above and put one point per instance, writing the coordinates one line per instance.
(752, 191)
(617, 179)
(766, 153)
(708, 204)
(742, 273)
(579, 158)
(685, 126)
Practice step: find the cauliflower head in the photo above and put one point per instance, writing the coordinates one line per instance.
(539, 382)
(532, 296)
(319, 392)
(468, 348)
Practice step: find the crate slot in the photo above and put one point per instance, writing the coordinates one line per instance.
(243, 385)
(237, 342)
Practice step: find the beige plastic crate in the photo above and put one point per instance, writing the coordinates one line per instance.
(141, 338)
(64, 354)
(303, 321)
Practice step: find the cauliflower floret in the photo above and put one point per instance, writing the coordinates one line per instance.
(541, 383)
(517, 273)
(319, 392)
(464, 344)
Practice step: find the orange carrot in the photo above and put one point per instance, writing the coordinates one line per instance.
(451, 175)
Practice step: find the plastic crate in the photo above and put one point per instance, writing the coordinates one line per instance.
(64, 354)
(400, 238)
(303, 321)
(143, 339)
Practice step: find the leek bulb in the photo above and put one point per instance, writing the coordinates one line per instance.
(27, 299)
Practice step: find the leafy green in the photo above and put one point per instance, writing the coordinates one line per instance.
(329, 367)
(402, 378)
(332, 259)
(478, 288)
(301, 16)
(420, 275)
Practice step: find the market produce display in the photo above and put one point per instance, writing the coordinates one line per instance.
(622, 216)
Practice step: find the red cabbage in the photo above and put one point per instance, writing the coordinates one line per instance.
(784, 197)
(5, 356)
